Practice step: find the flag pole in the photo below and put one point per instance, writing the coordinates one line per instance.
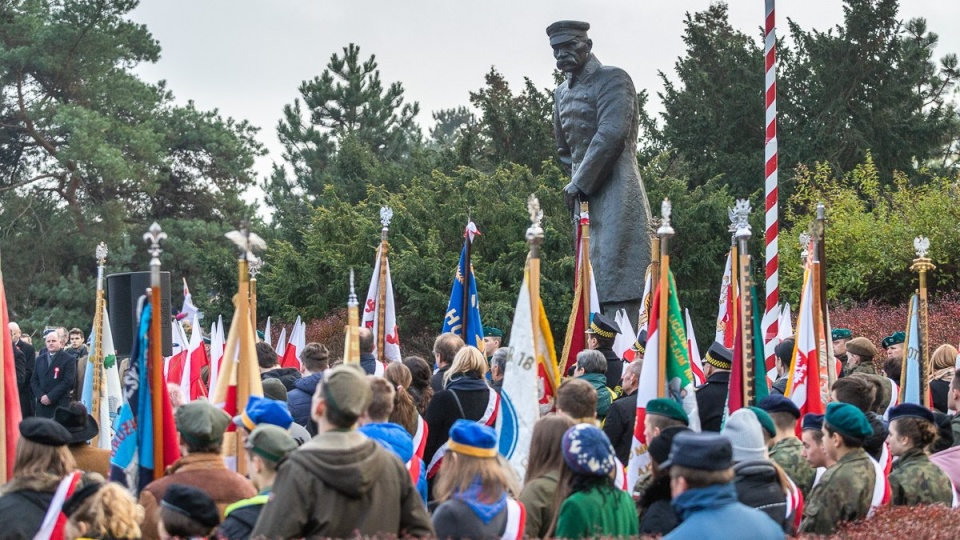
(351, 344)
(467, 270)
(585, 270)
(821, 253)
(665, 233)
(253, 267)
(386, 215)
(741, 215)
(154, 236)
(97, 358)
(534, 240)
(922, 264)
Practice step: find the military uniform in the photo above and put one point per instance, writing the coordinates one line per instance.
(914, 479)
(844, 493)
(614, 371)
(786, 454)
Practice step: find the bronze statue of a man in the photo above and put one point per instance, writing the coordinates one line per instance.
(596, 123)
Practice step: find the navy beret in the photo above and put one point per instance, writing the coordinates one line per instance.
(813, 422)
(705, 451)
(777, 403)
(44, 431)
(911, 410)
(192, 502)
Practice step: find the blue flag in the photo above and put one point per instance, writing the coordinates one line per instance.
(132, 461)
(910, 378)
(453, 319)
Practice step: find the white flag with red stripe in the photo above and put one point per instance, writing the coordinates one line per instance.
(371, 309)
(696, 361)
(191, 381)
(803, 384)
(291, 355)
(724, 333)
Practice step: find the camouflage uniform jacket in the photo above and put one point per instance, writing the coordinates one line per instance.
(844, 493)
(786, 454)
(914, 479)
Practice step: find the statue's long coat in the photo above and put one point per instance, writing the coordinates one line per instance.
(596, 123)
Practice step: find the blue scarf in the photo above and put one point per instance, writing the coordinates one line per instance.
(484, 511)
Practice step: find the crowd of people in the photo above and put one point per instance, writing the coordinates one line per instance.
(411, 449)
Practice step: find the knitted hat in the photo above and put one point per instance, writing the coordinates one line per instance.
(588, 451)
(472, 439)
(746, 436)
(862, 346)
(262, 410)
(847, 420)
(659, 447)
(669, 408)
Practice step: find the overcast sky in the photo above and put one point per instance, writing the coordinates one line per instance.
(247, 57)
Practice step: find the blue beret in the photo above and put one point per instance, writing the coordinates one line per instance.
(893, 339)
(669, 408)
(719, 356)
(911, 410)
(261, 410)
(812, 422)
(563, 31)
(847, 420)
(472, 439)
(777, 403)
(704, 451)
(765, 421)
(840, 333)
(588, 451)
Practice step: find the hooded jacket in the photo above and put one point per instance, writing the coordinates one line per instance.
(288, 376)
(758, 486)
(342, 484)
(715, 509)
(299, 399)
(397, 439)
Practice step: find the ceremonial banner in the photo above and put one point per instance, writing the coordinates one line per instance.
(693, 350)
(372, 307)
(623, 342)
(803, 384)
(191, 381)
(464, 305)
(298, 339)
(267, 337)
(281, 344)
(189, 311)
(10, 398)
(111, 392)
(910, 374)
(216, 353)
(132, 463)
(530, 353)
(678, 377)
(586, 302)
(725, 319)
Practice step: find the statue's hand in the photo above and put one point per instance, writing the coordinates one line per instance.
(570, 194)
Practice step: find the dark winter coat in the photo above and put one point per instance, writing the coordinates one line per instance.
(55, 379)
(621, 418)
(758, 486)
(26, 393)
(443, 411)
(614, 371)
(436, 380)
(711, 400)
(23, 504)
(300, 398)
(657, 516)
(241, 517)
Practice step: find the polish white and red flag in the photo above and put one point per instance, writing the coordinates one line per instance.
(298, 340)
(803, 385)
(371, 312)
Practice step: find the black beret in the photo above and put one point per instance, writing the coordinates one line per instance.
(73, 503)
(911, 410)
(44, 431)
(659, 447)
(192, 502)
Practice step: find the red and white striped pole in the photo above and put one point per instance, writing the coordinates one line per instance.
(771, 317)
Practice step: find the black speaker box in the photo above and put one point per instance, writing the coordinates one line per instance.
(123, 292)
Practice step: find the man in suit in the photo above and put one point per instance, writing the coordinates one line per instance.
(54, 377)
(29, 359)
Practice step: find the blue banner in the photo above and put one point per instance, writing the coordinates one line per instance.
(454, 317)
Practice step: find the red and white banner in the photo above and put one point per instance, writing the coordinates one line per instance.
(371, 309)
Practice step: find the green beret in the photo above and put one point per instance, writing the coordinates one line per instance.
(841, 333)
(669, 408)
(848, 420)
(893, 339)
(489, 331)
(766, 422)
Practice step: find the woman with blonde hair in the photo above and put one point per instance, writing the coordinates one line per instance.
(944, 362)
(404, 408)
(465, 395)
(543, 472)
(103, 512)
(42, 463)
(475, 488)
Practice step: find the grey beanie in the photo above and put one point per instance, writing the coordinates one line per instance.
(746, 436)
